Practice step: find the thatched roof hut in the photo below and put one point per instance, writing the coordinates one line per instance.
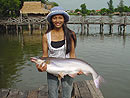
(33, 7)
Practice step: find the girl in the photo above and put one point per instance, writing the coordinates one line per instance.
(60, 42)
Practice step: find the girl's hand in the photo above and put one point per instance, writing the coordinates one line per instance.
(41, 68)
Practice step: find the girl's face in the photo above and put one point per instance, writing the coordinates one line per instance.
(58, 21)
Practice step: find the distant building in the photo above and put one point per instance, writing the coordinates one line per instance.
(116, 13)
(128, 13)
(49, 6)
(98, 10)
(33, 8)
(78, 12)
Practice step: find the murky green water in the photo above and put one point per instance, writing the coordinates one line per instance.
(109, 55)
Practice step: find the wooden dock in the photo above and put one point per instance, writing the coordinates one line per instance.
(84, 21)
(82, 89)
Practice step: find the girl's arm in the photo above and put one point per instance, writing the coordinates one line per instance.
(72, 52)
(45, 53)
(44, 46)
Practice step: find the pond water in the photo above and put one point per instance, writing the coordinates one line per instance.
(108, 54)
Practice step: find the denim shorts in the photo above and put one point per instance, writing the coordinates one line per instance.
(53, 86)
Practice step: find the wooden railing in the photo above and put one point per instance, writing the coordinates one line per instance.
(23, 21)
(100, 20)
(73, 20)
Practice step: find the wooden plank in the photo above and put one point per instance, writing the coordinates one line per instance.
(43, 92)
(4, 92)
(0, 93)
(22, 94)
(83, 89)
(60, 92)
(97, 91)
(32, 94)
(76, 91)
(13, 93)
(93, 93)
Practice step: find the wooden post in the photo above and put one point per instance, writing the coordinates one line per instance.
(32, 28)
(40, 28)
(120, 29)
(17, 29)
(29, 28)
(21, 29)
(101, 25)
(124, 29)
(124, 26)
(21, 17)
(82, 28)
(87, 29)
(6, 27)
(101, 28)
(110, 28)
(83, 25)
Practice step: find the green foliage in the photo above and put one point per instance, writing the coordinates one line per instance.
(9, 7)
(91, 12)
(104, 11)
(83, 9)
(110, 6)
(77, 10)
(54, 4)
(126, 9)
(121, 6)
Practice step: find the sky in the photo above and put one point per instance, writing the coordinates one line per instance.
(90, 4)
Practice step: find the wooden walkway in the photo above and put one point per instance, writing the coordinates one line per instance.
(84, 21)
(82, 89)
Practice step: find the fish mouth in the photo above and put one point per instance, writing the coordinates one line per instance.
(33, 59)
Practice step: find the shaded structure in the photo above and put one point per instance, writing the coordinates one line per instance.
(32, 14)
(33, 8)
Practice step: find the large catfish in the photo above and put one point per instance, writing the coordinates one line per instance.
(68, 66)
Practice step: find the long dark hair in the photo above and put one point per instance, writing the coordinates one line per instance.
(68, 35)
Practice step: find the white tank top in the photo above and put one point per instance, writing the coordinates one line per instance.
(56, 52)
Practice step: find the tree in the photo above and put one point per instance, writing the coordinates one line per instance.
(104, 11)
(54, 4)
(121, 6)
(83, 9)
(77, 10)
(110, 6)
(43, 1)
(9, 7)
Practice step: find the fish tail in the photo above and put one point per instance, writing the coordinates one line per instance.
(98, 81)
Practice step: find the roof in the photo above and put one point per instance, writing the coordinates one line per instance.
(33, 7)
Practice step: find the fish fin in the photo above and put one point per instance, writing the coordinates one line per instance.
(98, 81)
(72, 75)
(60, 75)
(80, 72)
(47, 61)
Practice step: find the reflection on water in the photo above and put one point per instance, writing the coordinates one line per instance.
(109, 55)
(15, 51)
